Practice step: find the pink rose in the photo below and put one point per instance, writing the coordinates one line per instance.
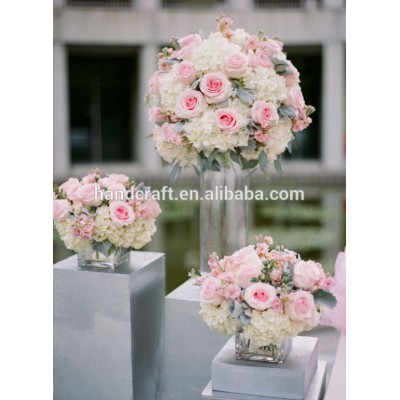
(113, 179)
(228, 120)
(210, 291)
(251, 43)
(61, 209)
(327, 283)
(121, 213)
(264, 113)
(156, 115)
(306, 274)
(90, 194)
(82, 227)
(261, 137)
(294, 98)
(247, 264)
(232, 291)
(116, 191)
(260, 296)
(276, 275)
(151, 208)
(190, 104)
(299, 125)
(271, 46)
(216, 87)
(188, 46)
(169, 135)
(154, 84)
(294, 77)
(235, 65)
(185, 72)
(89, 178)
(260, 57)
(300, 306)
(68, 184)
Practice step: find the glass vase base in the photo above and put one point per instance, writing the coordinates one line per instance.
(248, 350)
(97, 260)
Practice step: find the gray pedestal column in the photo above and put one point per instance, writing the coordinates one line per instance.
(190, 344)
(109, 330)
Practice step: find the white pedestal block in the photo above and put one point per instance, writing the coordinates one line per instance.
(316, 390)
(190, 344)
(109, 330)
(289, 380)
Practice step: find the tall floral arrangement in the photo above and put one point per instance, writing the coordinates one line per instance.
(268, 290)
(230, 97)
(104, 213)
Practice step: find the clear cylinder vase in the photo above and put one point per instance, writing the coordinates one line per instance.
(223, 212)
(96, 259)
(250, 350)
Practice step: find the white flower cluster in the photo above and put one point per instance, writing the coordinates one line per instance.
(218, 318)
(229, 92)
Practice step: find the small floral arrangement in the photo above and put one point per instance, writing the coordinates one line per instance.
(229, 97)
(104, 213)
(268, 291)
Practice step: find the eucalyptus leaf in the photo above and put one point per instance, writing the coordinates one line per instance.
(231, 307)
(278, 166)
(250, 164)
(279, 61)
(223, 104)
(234, 156)
(290, 147)
(102, 247)
(198, 173)
(245, 96)
(176, 170)
(251, 145)
(164, 163)
(179, 127)
(215, 166)
(263, 160)
(244, 319)
(195, 84)
(324, 298)
(285, 111)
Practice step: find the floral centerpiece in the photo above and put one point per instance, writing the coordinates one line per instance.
(266, 295)
(102, 218)
(230, 97)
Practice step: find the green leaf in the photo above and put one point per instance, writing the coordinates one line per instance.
(290, 147)
(215, 166)
(197, 171)
(285, 111)
(263, 160)
(278, 166)
(324, 298)
(175, 173)
(195, 84)
(234, 156)
(103, 247)
(250, 164)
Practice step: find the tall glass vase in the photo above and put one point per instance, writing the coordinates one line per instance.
(223, 212)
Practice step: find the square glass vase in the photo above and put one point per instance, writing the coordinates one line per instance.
(97, 260)
(249, 350)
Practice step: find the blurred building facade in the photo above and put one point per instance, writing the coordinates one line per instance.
(105, 52)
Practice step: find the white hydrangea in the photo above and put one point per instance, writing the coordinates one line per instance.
(184, 153)
(78, 245)
(218, 317)
(170, 90)
(240, 37)
(240, 107)
(271, 327)
(210, 55)
(267, 85)
(205, 136)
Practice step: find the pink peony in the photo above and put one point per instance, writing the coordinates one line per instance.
(89, 178)
(271, 46)
(235, 65)
(113, 179)
(116, 191)
(71, 182)
(251, 43)
(327, 283)
(185, 72)
(294, 98)
(261, 137)
(61, 209)
(247, 264)
(216, 87)
(168, 134)
(210, 291)
(301, 124)
(82, 227)
(121, 213)
(231, 291)
(300, 306)
(188, 46)
(260, 296)
(151, 208)
(228, 120)
(190, 104)
(264, 113)
(90, 194)
(306, 274)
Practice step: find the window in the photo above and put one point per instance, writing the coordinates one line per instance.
(285, 3)
(307, 60)
(102, 102)
(191, 3)
(100, 3)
